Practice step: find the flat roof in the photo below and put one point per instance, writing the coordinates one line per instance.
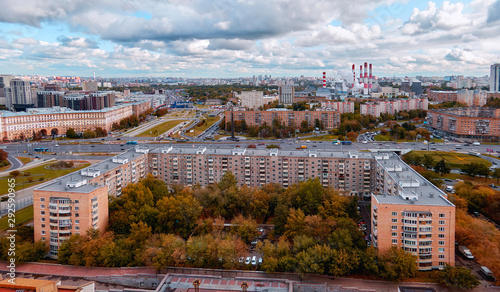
(61, 184)
(416, 189)
(27, 283)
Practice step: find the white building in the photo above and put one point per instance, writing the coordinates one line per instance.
(286, 94)
(251, 99)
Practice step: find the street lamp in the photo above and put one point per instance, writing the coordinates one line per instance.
(196, 284)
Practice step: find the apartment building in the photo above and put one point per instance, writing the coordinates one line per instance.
(479, 123)
(350, 173)
(376, 108)
(251, 99)
(341, 106)
(442, 96)
(76, 202)
(472, 97)
(57, 120)
(330, 119)
(410, 212)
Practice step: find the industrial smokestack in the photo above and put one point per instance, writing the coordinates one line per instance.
(360, 74)
(324, 79)
(370, 79)
(365, 79)
(353, 76)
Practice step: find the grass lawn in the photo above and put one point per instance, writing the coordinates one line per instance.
(160, 129)
(456, 160)
(25, 159)
(199, 129)
(474, 180)
(22, 216)
(4, 168)
(382, 138)
(22, 182)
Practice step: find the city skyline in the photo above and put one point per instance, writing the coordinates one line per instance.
(227, 39)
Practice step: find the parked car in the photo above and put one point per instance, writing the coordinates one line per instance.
(254, 260)
(248, 260)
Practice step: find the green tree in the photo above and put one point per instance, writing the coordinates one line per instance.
(245, 228)
(70, 133)
(398, 264)
(178, 214)
(89, 134)
(496, 174)
(227, 181)
(428, 161)
(457, 278)
(442, 167)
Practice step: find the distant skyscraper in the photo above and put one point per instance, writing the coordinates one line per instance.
(4, 83)
(19, 95)
(495, 78)
(286, 94)
(416, 86)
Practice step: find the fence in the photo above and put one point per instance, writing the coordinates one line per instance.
(20, 204)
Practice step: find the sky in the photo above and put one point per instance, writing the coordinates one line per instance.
(237, 38)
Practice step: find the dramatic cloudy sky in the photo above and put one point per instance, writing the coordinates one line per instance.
(224, 38)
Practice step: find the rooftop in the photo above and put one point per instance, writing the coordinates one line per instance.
(78, 181)
(412, 187)
(474, 112)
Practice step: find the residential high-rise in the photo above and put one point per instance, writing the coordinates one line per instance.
(4, 83)
(19, 95)
(495, 78)
(251, 99)
(286, 94)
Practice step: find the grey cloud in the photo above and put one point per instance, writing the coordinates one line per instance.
(77, 42)
(494, 12)
(232, 44)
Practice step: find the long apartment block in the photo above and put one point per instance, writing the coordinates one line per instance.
(407, 210)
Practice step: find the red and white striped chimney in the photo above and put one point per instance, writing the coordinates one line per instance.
(360, 74)
(324, 79)
(365, 80)
(353, 75)
(370, 80)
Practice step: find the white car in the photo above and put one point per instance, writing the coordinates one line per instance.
(364, 142)
(254, 260)
(247, 262)
(475, 143)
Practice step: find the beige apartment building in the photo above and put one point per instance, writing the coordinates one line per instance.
(410, 212)
(407, 210)
(76, 202)
(330, 119)
(56, 121)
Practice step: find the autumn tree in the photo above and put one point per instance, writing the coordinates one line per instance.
(245, 228)
(457, 278)
(398, 264)
(178, 214)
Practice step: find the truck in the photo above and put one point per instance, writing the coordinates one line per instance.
(131, 143)
(474, 153)
(466, 252)
(346, 143)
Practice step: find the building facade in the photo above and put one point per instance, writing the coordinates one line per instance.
(341, 106)
(76, 202)
(410, 212)
(472, 97)
(480, 123)
(330, 119)
(56, 121)
(442, 96)
(286, 93)
(407, 210)
(251, 99)
(392, 106)
(495, 78)
(18, 95)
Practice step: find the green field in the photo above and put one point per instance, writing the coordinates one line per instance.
(25, 160)
(385, 138)
(326, 138)
(455, 160)
(22, 216)
(200, 129)
(22, 182)
(160, 129)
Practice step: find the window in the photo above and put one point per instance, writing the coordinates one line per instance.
(42, 199)
(43, 219)
(43, 225)
(42, 212)
(441, 215)
(77, 208)
(441, 242)
(441, 235)
(394, 241)
(441, 229)
(77, 215)
(43, 232)
(441, 249)
(394, 227)
(77, 227)
(43, 238)
(77, 201)
(42, 206)
(441, 263)
(441, 222)
(394, 234)
(441, 256)
(394, 220)
(394, 213)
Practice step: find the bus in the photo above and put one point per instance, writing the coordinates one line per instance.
(474, 153)
(41, 149)
(131, 142)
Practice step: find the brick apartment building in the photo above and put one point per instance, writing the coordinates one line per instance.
(375, 108)
(408, 211)
(478, 123)
(330, 119)
(76, 202)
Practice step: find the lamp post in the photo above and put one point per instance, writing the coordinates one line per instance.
(196, 284)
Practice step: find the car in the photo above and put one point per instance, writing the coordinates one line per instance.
(362, 228)
(364, 142)
(308, 141)
(57, 145)
(260, 261)
(118, 139)
(447, 179)
(248, 260)
(254, 260)
(92, 146)
(368, 243)
(475, 143)
(37, 156)
(241, 260)
(123, 148)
